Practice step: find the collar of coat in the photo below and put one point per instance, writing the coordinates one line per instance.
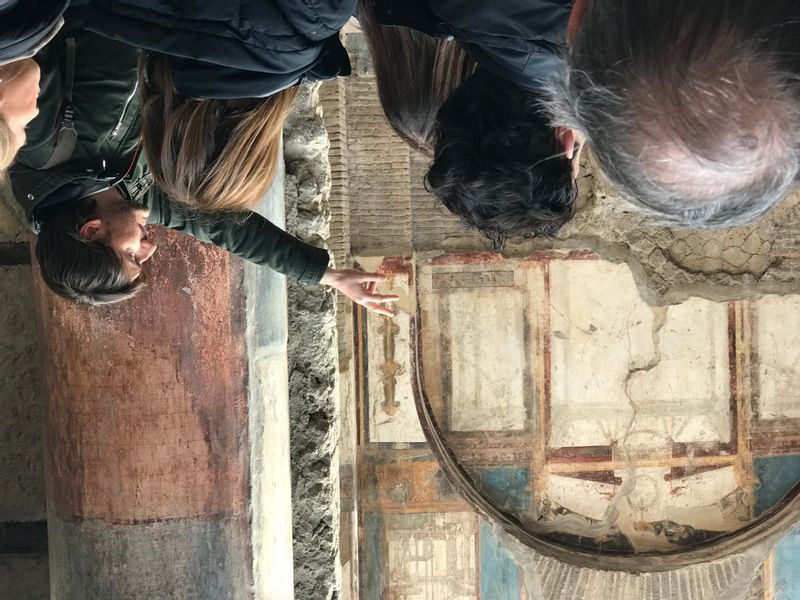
(27, 26)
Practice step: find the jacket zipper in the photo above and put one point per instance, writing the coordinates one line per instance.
(116, 129)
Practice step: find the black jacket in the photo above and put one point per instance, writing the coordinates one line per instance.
(107, 153)
(27, 25)
(233, 48)
(522, 41)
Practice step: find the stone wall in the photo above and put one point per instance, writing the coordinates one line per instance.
(23, 571)
(313, 353)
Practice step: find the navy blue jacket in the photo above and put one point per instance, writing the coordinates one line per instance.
(26, 25)
(232, 48)
(522, 41)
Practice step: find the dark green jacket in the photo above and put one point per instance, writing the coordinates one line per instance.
(106, 109)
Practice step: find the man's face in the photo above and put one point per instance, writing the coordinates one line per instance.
(122, 227)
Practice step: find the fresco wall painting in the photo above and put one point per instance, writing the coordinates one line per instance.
(593, 416)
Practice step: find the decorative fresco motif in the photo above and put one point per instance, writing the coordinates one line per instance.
(383, 346)
(623, 453)
(594, 417)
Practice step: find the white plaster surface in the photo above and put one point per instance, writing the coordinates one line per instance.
(620, 367)
(480, 349)
(777, 336)
(685, 396)
(601, 329)
(268, 415)
(587, 498)
(487, 337)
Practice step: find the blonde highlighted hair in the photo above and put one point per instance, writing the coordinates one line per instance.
(206, 152)
(8, 146)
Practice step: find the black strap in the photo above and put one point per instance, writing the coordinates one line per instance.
(67, 135)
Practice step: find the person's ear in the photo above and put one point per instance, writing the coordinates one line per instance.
(575, 19)
(566, 137)
(91, 229)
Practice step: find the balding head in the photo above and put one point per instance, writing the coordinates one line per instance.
(692, 108)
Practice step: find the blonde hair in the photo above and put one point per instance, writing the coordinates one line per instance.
(8, 141)
(204, 152)
(8, 146)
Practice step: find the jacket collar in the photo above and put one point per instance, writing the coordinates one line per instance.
(27, 26)
(36, 191)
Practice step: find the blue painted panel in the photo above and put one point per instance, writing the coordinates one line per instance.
(777, 474)
(787, 567)
(372, 575)
(499, 572)
(508, 486)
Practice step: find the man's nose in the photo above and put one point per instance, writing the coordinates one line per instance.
(147, 250)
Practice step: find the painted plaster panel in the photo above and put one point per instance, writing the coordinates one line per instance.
(777, 334)
(393, 417)
(600, 330)
(487, 333)
(478, 342)
(580, 496)
(683, 395)
(431, 556)
(776, 475)
(648, 508)
(500, 575)
(638, 402)
(786, 579)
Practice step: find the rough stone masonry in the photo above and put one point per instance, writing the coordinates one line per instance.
(313, 362)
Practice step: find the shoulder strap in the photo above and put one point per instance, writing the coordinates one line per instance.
(67, 135)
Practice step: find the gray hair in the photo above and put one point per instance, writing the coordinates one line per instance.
(691, 108)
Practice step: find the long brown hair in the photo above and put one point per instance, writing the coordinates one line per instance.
(415, 74)
(204, 152)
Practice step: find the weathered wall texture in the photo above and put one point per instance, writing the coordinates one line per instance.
(561, 387)
(391, 214)
(21, 471)
(314, 405)
(22, 576)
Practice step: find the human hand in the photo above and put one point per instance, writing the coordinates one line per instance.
(360, 286)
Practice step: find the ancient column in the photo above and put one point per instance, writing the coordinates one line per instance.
(166, 433)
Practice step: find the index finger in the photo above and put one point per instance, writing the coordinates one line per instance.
(380, 309)
(381, 298)
(369, 277)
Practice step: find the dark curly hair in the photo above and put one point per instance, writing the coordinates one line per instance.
(497, 162)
